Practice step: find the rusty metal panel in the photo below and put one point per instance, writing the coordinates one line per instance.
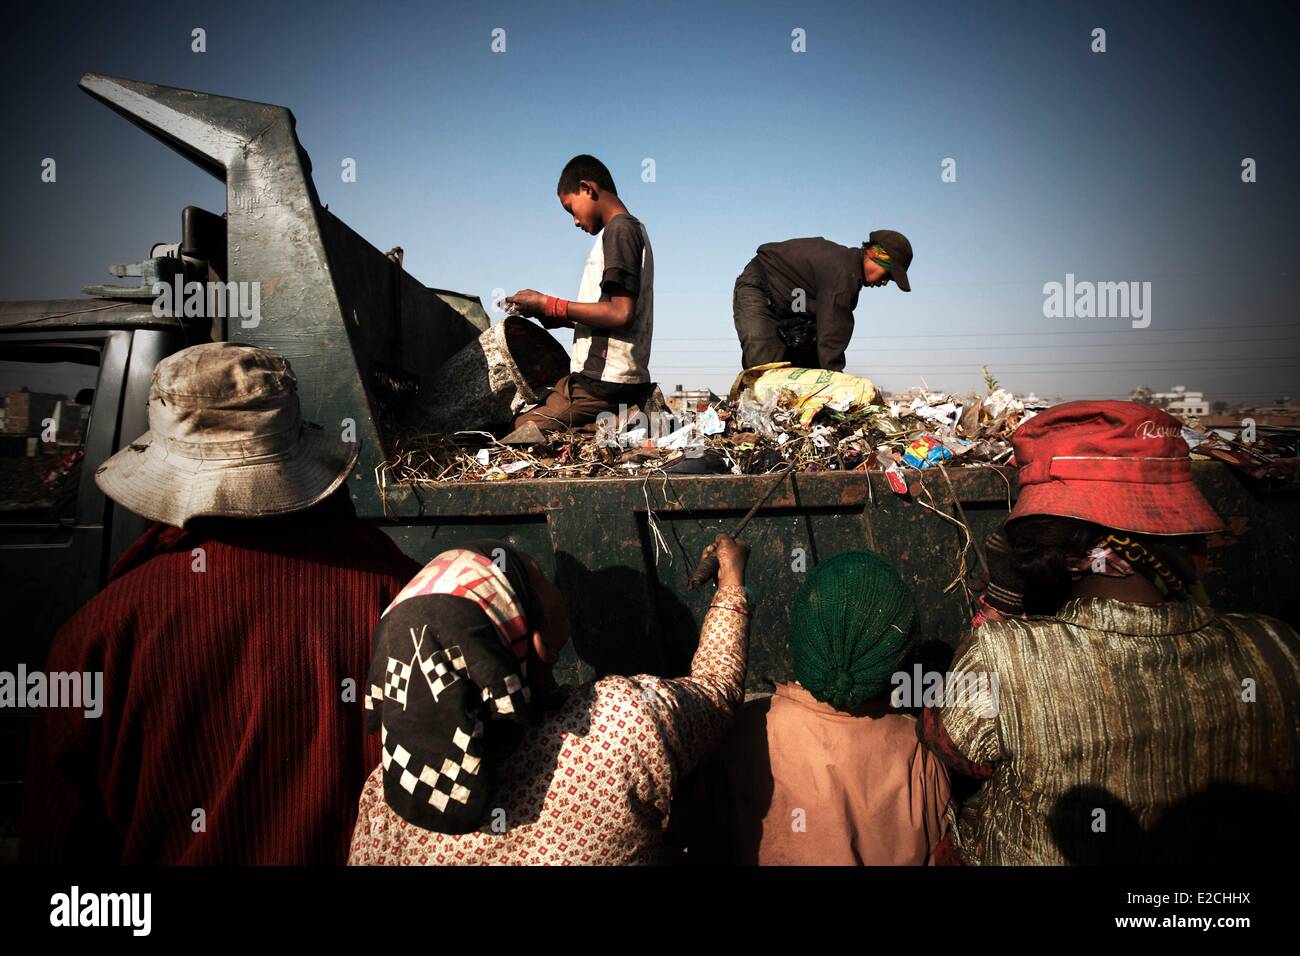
(629, 604)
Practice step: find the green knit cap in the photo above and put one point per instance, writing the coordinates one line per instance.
(850, 628)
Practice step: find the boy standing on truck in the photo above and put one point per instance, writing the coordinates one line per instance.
(794, 302)
(613, 316)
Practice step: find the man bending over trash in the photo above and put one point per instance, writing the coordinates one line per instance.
(794, 302)
(613, 316)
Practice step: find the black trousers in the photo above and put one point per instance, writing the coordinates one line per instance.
(758, 327)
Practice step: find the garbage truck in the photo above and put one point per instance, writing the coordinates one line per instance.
(365, 339)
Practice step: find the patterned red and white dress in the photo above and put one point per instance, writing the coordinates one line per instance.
(593, 783)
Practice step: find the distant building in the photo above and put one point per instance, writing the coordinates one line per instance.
(690, 400)
(1182, 403)
(1281, 415)
(24, 411)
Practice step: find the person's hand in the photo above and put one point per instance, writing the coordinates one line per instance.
(732, 556)
(528, 302)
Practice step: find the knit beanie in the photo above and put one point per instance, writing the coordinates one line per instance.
(850, 628)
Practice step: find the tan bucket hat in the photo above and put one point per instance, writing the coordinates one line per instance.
(226, 437)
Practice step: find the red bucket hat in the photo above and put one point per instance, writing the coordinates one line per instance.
(1122, 465)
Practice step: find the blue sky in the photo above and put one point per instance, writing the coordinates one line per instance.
(1117, 166)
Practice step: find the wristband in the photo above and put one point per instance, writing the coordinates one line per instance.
(556, 308)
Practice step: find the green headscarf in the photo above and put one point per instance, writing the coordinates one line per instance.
(850, 628)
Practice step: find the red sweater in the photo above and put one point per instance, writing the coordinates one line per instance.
(223, 692)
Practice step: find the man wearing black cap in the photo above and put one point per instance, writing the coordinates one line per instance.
(794, 302)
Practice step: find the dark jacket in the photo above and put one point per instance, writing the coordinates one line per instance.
(830, 276)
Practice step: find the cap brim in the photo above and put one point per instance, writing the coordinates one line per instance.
(900, 278)
(149, 481)
(1140, 507)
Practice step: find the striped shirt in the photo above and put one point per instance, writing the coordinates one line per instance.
(1121, 733)
(620, 259)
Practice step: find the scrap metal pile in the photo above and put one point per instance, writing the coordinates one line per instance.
(820, 420)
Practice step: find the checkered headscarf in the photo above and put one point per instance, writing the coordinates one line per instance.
(447, 683)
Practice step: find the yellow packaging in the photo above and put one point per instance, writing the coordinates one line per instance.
(806, 389)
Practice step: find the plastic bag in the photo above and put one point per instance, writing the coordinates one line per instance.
(758, 414)
(808, 390)
(925, 451)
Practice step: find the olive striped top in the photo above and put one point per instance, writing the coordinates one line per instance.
(1124, 733)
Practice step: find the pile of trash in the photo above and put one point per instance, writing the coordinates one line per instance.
(1254, 452)
(773, 414)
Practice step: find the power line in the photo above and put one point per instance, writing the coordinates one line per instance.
(1258, 274)
(962, 335)
(1096, 365)
(1217, 396)
(970, 348)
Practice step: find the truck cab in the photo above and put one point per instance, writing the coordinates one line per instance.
(359, 331)
(75, 375)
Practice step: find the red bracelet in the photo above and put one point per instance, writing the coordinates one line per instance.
(556, 308)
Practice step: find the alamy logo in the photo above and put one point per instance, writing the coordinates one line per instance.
(1098, 300)
(56, 689)
(661, 429)
(75, 908)
(977, 690)
(212, 300)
